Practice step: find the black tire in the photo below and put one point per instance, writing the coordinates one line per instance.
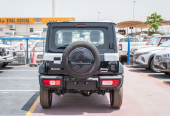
(152, 66)
(5, 64)
(167, 73)
(45, 98)
(1, 65)
(116, 97)
(74, 46)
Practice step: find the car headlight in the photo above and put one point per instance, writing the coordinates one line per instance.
(166, 55)
(157, 57)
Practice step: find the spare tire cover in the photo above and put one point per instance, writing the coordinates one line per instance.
(81, 60)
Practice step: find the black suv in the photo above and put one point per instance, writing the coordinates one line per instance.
(81, 57)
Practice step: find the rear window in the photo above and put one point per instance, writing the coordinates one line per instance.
(64, 36)
(131, 40)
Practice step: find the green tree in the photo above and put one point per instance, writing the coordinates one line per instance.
(154, 20)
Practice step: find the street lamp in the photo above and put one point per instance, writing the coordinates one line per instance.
(133, 14)
(98, 15)
(133, 9)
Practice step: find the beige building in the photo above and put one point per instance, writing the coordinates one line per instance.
(26, 26)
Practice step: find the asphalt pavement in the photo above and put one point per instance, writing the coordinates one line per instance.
(144, 94)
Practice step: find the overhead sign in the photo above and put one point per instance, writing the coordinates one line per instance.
(34, 20)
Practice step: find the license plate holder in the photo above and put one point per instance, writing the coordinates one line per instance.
(81, 85)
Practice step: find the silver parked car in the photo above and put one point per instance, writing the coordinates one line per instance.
(144, 57)
(162, 61)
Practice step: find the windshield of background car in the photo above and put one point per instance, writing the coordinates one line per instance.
(64, 36)
(131, 40)
(142, 36)
(155, 41)
(165, 44)
(148, 38)
(164, 40)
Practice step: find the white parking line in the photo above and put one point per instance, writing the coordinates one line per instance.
(5, 92)
(17, 90)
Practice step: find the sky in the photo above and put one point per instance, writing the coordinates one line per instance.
(85, 10)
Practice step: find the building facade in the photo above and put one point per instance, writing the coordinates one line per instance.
(26, 26)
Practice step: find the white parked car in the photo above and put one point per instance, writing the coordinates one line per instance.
(123, 46)
(36, 34)
(38, 48)
(7, 54)
(20, 46)
(153, 42)
(156, 35)
(118, 36)
(9, 34)
(144, 57)
(162, 61)
(141, 36)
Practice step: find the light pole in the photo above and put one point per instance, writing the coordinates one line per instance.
(98, 15)
(133, 14)
(133, 9)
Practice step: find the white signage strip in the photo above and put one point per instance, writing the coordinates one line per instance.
(111, 57)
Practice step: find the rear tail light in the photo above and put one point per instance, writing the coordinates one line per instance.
(110, 82)
(120, 47)
(52, 82)
(146, 43)
(21, 46)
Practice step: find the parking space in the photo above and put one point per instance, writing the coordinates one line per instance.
(160, 76)
(145, 94)
(18, 90)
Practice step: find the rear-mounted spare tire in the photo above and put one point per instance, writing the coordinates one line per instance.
(81, 60)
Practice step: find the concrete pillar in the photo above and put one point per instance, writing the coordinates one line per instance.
(131, 30)
(135, 29)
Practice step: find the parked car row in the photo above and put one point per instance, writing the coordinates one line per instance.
(155, 56)
(7, 54)
(123, 46)
(150, 52)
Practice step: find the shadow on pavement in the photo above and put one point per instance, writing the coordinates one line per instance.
(6, 68)
(76, 104)
(30, 102)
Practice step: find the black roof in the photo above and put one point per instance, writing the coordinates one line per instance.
(82, 22)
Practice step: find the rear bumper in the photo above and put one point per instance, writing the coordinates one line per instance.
(68, 83)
